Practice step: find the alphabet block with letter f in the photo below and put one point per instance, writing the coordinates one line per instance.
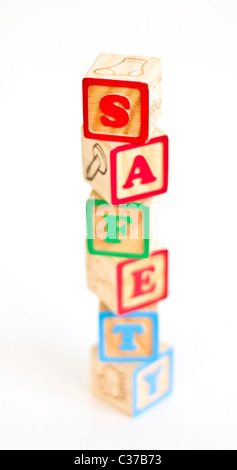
(124, 230)
(133, 386)
(126, 285)
(126, 173)
(128, 338)
(122, 98)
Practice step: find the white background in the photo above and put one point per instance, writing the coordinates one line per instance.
(48, 316)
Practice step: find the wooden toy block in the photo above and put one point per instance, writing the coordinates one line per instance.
(126, 173)
(132, 337)
(133, 386)
(126, 285)
(122, 98)
(123, 230)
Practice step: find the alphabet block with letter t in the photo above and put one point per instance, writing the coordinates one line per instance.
(126, 285)
(128, 338)
(133, 386)
(122, 98)
(126, 173)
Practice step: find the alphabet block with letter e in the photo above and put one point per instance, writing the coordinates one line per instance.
(126, 173)
(133, 386)
(128, 338)
(122, 230)
(122, 98)
(128, 284)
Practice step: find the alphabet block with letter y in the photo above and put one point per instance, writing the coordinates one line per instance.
(122, 98)
(133, 386)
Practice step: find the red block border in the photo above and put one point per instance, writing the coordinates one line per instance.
(120, 266)
(143, 87)
(113, 170)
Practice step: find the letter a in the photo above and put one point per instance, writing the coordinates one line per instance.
(144, 172)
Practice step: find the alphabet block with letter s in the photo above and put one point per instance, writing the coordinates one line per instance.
(122, 98)
(128, 284)
(126, 173)
(133, 387)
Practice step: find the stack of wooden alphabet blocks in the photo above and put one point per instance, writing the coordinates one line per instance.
(125, 159)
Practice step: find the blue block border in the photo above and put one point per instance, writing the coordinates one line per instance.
(137, 411)
(155, 337)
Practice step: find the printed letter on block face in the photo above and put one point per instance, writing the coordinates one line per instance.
(126, 173)
(128, 285)
(141, 282)
(117, 230)
(122, 98)
(152, 382)
(133, 387)
(133, 337)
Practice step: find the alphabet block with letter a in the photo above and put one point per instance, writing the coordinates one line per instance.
(132, 337)
(133, 387)
(126, 285)
(122, 230)
(122, 98)
(126, 173)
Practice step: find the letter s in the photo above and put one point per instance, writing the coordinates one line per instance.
(109, 105)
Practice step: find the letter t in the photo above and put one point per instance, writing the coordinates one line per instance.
(128, 331)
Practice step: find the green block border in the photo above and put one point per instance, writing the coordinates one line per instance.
(90, 203)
